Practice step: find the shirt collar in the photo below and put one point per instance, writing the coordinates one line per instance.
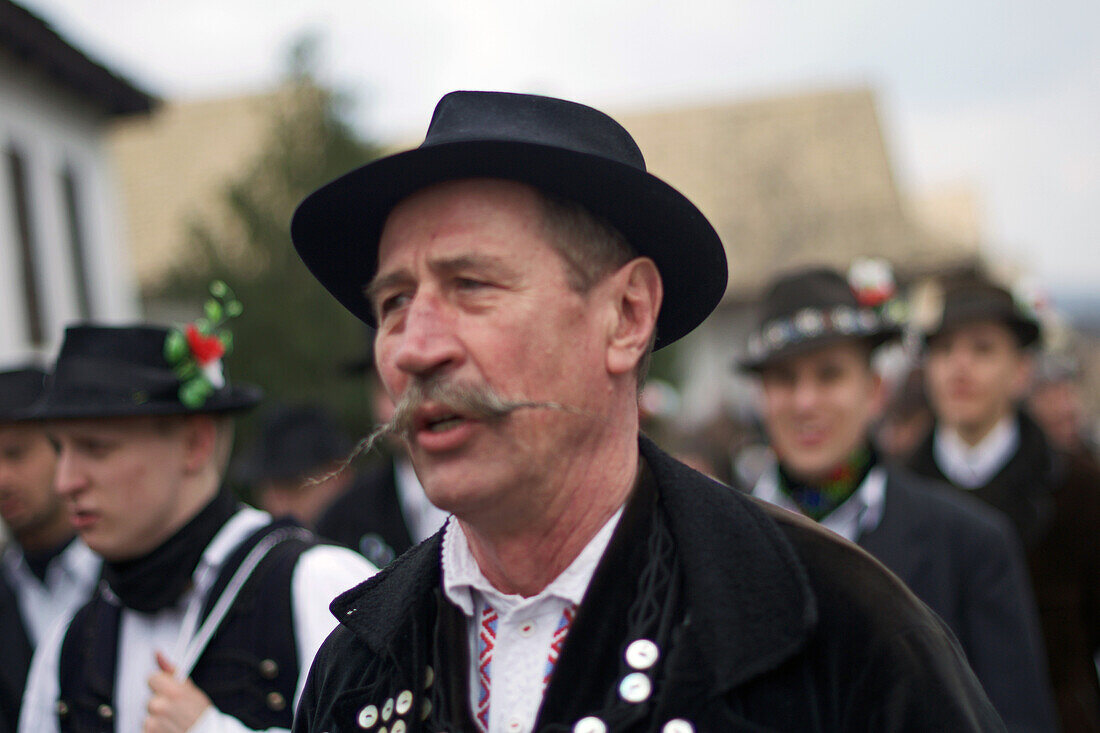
(76, 561)
(462, 577)
(973, 466)
(860, 514)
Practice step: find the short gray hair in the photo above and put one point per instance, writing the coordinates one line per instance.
(592, 247)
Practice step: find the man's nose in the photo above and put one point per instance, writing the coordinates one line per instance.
(429, 342)
(806, 394)
(68, 478)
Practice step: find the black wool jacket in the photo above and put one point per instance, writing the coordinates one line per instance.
(762, 621)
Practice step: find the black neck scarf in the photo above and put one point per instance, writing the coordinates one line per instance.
(159, 579)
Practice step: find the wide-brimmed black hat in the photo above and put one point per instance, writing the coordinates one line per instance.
(19, 389)
(107, 371)
(562, 148)
(809, 309)
(967, 300)
(294, 442)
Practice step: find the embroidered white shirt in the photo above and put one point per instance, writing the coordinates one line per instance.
(322, 572)
(421, 516)
(70, 579)
(525, 626)
(973, 466)
(857, 516)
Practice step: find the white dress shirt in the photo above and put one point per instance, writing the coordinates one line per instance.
(525, 626)
(973, 466)
(421, 516)
(322, 572)
(857, 516)
(70, 579)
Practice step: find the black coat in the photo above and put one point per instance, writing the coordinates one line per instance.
(367, 518)
(1053, 501)
(963, 559)
(15, 656)
(776, 625)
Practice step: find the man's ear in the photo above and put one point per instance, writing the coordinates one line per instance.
(638, 293)
(200, 435)
(1024, 375)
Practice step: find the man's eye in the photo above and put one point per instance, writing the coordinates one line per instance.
(392, 302)
(466, 283)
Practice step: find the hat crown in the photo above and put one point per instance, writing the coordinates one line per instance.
(818, 289)
(529, 118)
(19, 389)
(977, 299)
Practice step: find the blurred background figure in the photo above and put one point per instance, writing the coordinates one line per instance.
(812, 352)
(45, 572)
(906, 419)
(385, 511)
(1056, 403)
(978, 365)
(292, 466)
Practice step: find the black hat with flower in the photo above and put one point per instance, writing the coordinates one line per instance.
(809, 309)
(117, 371)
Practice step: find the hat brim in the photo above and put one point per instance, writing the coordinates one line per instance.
(235, 398)
(874, 340)
(337, 228)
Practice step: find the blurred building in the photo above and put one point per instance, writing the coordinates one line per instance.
(789, 181)
(62, 243)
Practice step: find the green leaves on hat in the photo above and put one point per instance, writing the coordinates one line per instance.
(195, 351)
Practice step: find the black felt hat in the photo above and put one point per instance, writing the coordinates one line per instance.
(294, 441)
(562, 148)
(967, 300)
(19, 389)
(106, 371)
(806, 310)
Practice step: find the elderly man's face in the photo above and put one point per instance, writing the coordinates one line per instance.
(468, 291)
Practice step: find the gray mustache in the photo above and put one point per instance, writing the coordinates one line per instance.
(476, 401)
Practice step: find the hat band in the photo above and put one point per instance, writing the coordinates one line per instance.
(813, 323)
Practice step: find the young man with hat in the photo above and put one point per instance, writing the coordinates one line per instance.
(977, 366)
(820, 394)
(46, 573)
(520, 265)
(209, 613)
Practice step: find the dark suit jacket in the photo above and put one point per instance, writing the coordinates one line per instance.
(777, 625)
(15, 657)
(368, 518)
(963, 559)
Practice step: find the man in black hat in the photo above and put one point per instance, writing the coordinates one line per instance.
(209, 613)
(977, 366)
(812, 351)
(46, 573)
(519, 266)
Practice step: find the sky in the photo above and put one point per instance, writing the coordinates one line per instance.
(1001, 96)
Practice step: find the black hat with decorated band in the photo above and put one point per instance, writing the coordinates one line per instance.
(19, 389)
(119, 371)
(967, 300)
(559, 147)
(809, 309)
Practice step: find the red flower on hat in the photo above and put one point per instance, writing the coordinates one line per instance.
(205, 349)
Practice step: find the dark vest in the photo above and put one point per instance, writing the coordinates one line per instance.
(16, 655)
(249, 670)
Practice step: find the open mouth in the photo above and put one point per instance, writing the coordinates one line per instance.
(444, 423)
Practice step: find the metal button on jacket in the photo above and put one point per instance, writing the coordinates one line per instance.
(276, 701)
(590, 725)
(642, 654)
(269, 669)
(635, 687)
(429, 677)
(398, 726)
(105, 712)
(678, 725)
(368, 716)
(387, 710)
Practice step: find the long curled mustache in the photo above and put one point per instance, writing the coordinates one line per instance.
(477, 401)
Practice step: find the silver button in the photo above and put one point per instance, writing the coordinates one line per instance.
(404, 702)
(387, 710)
(62, 708)
(678, 725)
(642, 654)
(527, 629)
(276, 701)
(515, 725)
(635, 687)
(398, 726)
(426, 709)
(269, 669)
(590, 725)
(105, 712)
(368, 716)
(429, 677)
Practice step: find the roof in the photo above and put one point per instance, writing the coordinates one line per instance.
(31, 39)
